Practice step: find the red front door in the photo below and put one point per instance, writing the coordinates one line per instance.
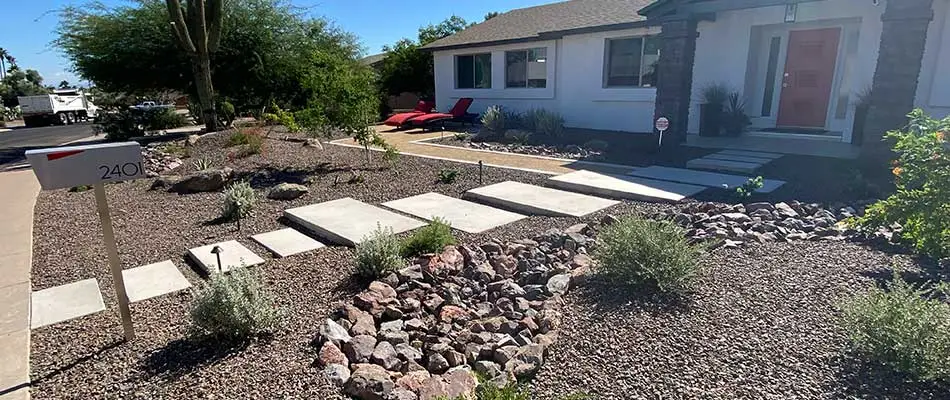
(809, 73)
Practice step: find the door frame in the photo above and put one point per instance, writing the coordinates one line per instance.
(758, 65)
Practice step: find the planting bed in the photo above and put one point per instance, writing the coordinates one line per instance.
(761, 324)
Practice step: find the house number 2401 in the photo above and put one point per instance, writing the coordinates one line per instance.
(119, 171)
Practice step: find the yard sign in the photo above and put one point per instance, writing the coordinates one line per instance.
(662, 124)
(63, 167)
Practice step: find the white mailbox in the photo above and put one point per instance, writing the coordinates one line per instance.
(65, 167)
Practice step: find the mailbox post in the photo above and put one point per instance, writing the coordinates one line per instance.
(96, 165)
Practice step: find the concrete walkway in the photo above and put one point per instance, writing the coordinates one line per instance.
(411, 143)
(18, 192)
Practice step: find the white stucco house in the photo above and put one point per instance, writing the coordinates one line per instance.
(617, 64)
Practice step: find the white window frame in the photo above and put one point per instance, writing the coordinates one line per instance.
(455, 70)
(527, 52)
(606, 72)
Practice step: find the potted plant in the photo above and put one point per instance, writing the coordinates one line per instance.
(714, 98)
(734, 119)
(862, 104)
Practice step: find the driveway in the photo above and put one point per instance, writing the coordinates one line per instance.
(15, 142)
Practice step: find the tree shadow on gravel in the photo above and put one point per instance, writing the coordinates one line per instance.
(182, 356)
(608, 297)
(926, 274)
(270, 176)
(858, 378)
(78, 361)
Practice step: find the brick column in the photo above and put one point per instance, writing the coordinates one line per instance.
(675, 76)
(898, 66)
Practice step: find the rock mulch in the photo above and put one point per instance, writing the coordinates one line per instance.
(762, 222)
(157, 161)
(571, 151)
(424, 331)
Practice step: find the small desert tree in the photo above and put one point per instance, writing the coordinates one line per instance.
(198, 30)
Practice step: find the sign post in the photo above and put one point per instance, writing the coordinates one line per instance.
(662, 124)
(96, 165)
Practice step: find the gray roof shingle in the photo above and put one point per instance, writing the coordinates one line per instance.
(530, 23)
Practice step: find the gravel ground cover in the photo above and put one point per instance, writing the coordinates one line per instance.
(85, 359)
(762, 324)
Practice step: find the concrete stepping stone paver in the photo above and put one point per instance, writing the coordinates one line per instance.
(65, 302)
(348, 221)
(537, 200)
(287, 242)
(462, 215)
(623, 187)
(153, 280)
(732, 157)
(233, 255)
(710, 179)
(723, 165)
(749, 153)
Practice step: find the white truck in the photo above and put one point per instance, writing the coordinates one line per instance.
(62, 107)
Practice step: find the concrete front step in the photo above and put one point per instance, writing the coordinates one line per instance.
(709, 179)
(723, 165)
(624, 187)
(732, 157)
(749, 153)
(536, 200)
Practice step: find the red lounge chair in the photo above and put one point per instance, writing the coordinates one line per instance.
(422, 108)
(458, 113)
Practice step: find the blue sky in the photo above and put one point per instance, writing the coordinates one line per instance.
(27, 26)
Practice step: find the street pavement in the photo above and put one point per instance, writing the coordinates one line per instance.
(15, 142)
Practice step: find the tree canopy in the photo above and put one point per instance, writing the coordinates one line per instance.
(266, 46)
(18, 82)
(407, 68)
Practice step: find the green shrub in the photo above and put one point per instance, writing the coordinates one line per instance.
(250, 141)
(448, 176)
(278, 116)
(544, 122)
(162, 118)
(226, 113)
(202, 164)
(431, 238)
(494, 119)
(922, 176)
(749, 187)
(641, 252)
(903, 327)
(715, 93)
(511, 391)
(234, 306)
(79, 189)
(119, 126)
(239, 200)
(378, 254)
(518, 136)
(238, 137)
(597, 145)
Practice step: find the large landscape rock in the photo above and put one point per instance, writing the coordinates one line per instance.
(208, 180)
(369, 382)
(287, 191)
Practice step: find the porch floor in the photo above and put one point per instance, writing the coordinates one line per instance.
(799, 146)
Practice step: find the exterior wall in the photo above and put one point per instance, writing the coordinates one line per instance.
(933, 90)
(574, 86)
(730, 64)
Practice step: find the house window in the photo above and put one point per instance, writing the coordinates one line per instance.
(473, 71)
(526, 68)
(631, 62)
(774, 47)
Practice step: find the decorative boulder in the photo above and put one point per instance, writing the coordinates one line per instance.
(287, 191)
(369, 382)
(209, 180)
